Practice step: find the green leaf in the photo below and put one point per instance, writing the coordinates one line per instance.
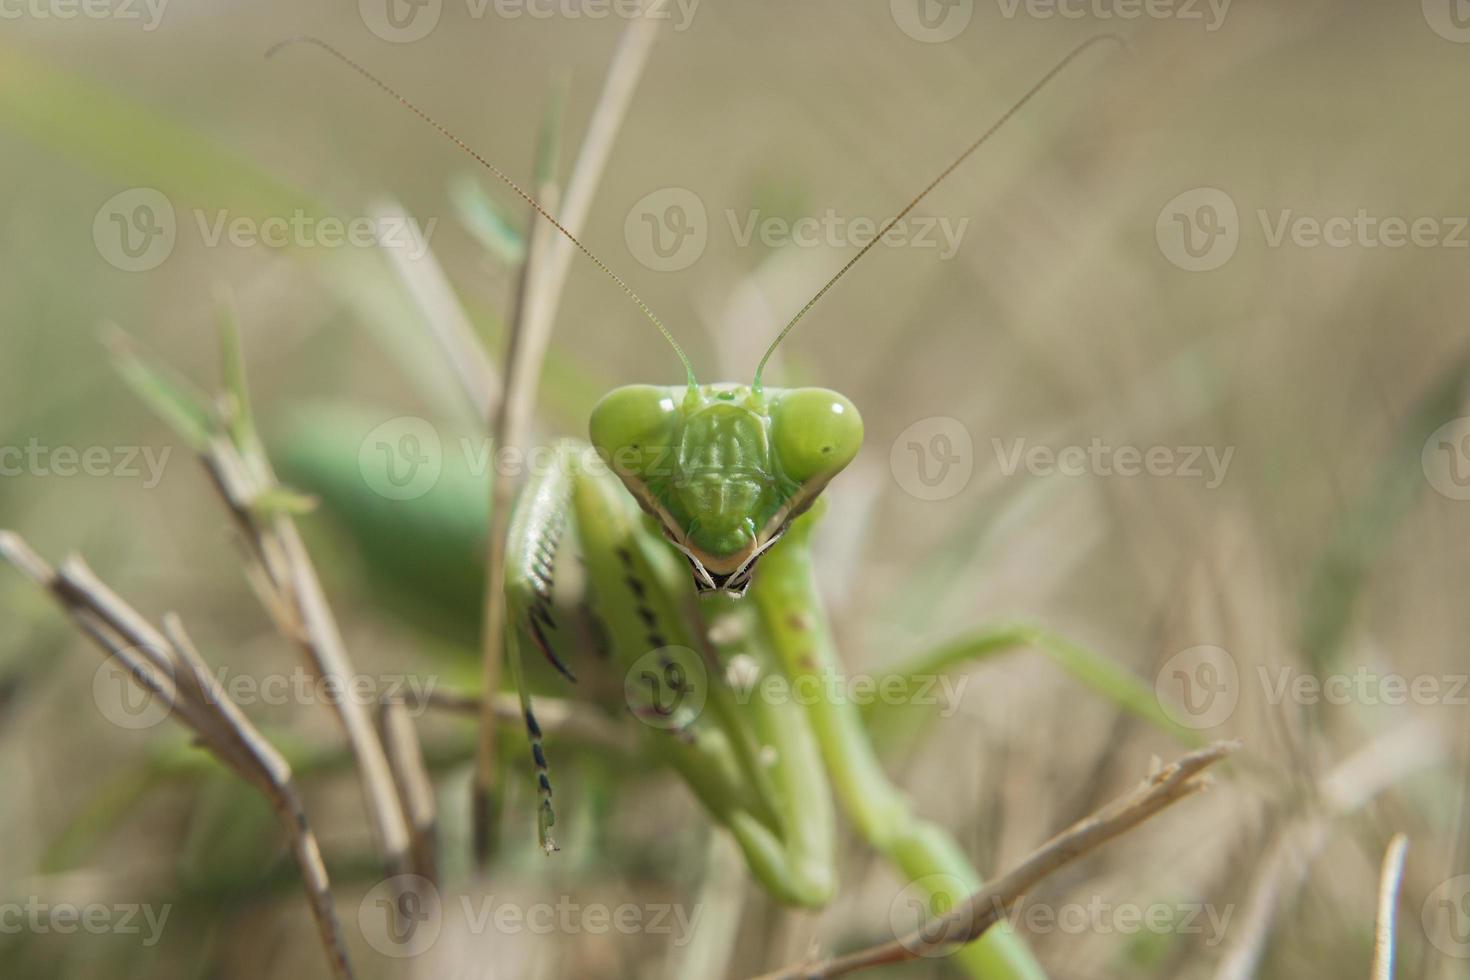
(232, 354)
(1103, 676)
(280, 501)
(180, 405)
(424, 556)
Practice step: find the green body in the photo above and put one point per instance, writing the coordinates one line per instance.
(728, 478)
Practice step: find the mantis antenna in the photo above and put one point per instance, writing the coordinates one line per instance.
(443, 131)
(1015, 108)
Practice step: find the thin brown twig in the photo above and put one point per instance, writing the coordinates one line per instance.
(415, 789)
(280, 570)
(509, 427)
(291, 592)
(169, 667)
(972, 917)
(555, 716)
(1389, 882)
(539, 295)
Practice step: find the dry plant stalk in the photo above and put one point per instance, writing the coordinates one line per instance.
(424, 279)
(972, 917)
(555, 716)
(414, 785)
(1390, 880)
(169, 667)
(282, 573)
(547, 262)
(1346, 788)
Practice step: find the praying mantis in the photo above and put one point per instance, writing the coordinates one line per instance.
(690, 509)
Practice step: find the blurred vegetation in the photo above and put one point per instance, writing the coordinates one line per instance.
(1326, 550)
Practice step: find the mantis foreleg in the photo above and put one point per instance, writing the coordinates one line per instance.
(792, 613)
(755, 766)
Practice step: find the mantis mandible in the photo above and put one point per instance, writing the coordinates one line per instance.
(691, 507)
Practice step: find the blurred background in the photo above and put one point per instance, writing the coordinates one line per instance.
(1174, 366)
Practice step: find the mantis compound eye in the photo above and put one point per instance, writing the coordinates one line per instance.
(633, 429)
(815, 433)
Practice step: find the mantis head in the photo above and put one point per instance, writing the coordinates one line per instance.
(725, 469)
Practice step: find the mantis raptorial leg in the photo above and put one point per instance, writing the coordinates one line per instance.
(775, 803)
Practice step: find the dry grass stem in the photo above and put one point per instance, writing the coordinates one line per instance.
(972, 917)
(169, 667)
(1390, 880)
(539, 293)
